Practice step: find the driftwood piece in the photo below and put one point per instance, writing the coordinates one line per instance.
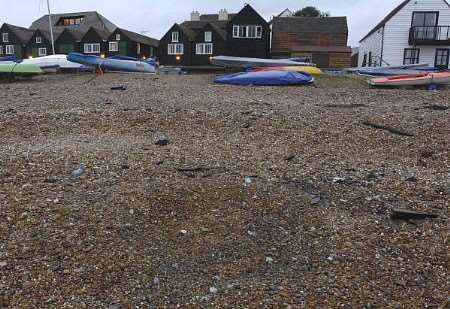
(387, 128)
(434, 107)
(405, 214)
(344, 105)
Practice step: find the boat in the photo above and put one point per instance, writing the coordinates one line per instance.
(113, 65)
(310, 70)
(242, 62)
(389, 72)
(49, 63)
(412, 80)
(8, 59)
(19, 69)
(266, 78)
(399, 67)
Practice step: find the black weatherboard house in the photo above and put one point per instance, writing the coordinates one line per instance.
(124, 42)
(194, 42)
(84, 32)
(14, 40)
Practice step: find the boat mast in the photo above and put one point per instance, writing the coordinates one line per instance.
(51, 26)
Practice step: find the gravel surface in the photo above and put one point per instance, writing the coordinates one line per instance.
(177, 191)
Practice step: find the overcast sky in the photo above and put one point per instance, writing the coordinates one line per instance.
(156, 16)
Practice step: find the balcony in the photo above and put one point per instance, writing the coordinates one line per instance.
(429, 35)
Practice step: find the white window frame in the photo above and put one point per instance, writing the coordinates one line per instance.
(175, 37)
(1, 50)
(175, 49)
(9, 50)
(204, 49)
(42, 51)
(208, 36)
(38, 40)
(113, 46)
(92, 48)
(117, 36)
(5, 37)
(243, 31)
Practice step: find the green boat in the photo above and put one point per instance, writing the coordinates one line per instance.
(19, 69)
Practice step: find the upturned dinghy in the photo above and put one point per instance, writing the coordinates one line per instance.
(19, 69)
(310, 70)
(114, 65)
(412, 80)
(52, 61)
(241, 62)
(266, 78)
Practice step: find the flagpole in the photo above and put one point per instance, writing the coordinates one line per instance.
(51, 26)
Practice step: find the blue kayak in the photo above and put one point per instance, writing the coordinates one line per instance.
(266, 78)
(110, 64)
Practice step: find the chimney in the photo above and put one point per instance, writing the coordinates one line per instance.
(223, 14)
(195, 16)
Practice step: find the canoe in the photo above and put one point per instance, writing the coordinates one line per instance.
(310, 70)
(20, 69)
(390, 72)
(112, 64)
(412, 80)
(52, 61)
(242, 62)
(266, 78)
(397, 67)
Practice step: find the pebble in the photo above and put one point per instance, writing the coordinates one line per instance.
(184, 232)
(79, 171)
(269, 260)
(213, 290)
(3, 264)
(162, 141)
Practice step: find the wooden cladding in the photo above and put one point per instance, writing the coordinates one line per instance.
(284, 41)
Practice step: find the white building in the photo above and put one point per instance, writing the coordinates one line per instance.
(417, 31)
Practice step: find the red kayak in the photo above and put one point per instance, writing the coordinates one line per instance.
(412, 80)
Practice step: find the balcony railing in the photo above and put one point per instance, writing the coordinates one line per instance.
(429, 35)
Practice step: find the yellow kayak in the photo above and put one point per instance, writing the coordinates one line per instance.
(310, 70)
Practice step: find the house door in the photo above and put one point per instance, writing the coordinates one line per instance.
(322, 60)
(442, 58)
(123, 48)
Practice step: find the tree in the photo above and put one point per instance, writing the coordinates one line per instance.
(311, 11)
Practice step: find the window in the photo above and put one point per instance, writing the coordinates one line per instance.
(364, 62)
(175, 49)
(175, 37)
(442, 57)
(5, 37)
(42, 52)
(70, 21)
(247, 32)
(118, 37)
(208, 36)
(9, 49)
(411, 56)
(370, 59)
(424, 24)
(92, 48)
(113, 46)
(204, 49)
(1, 50)
(38, 40)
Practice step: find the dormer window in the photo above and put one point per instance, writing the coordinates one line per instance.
(175, 37)
(118, 37)
(38, 40)
(5, 37)
(70, 21)
(208, 36)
